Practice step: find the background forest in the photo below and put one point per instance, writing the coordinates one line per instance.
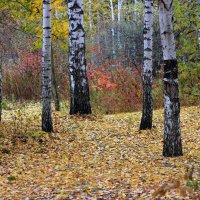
(105, 136)
(114, 70)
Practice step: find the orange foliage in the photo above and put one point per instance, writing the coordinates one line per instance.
(115, 88)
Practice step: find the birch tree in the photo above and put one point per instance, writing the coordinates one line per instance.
(172, 134)
(119, 5)
(113, 27)
(135, 18)
(146, 121)
(79, 88)
(91, 28)
(46, 69)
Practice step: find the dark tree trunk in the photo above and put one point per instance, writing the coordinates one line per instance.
(80, 100)
(54, 82)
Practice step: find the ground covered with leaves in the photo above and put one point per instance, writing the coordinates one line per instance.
(96, 157)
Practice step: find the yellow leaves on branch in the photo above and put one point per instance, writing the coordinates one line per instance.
(58, 5)
(28, 14)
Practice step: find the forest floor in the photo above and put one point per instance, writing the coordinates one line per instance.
(95, 157)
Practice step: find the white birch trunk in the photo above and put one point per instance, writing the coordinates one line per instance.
(80, 101)
(172, 134)
(119, 23)
(113, 27)
(135, 15)
(46, 69)
(146, 122)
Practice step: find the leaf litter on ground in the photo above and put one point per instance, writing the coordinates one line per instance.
(95, 157)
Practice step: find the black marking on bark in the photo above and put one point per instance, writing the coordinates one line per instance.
(47, 27)
(46, 2)
(148, 49)
(165, 6)
(148, 12)
(170, 69)
(75, 6)
(145, 30)
(146, 58)
(79, 27)
(147, 38)
(71, 18)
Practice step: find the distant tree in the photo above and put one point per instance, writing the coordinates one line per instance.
(147, 112)
(79, 88)
(46, 69)
(91, 28)
(54, 82)
(119, 7)
(113, 26)
(172, 133)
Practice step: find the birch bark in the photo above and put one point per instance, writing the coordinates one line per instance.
(113, 27)
(146, 121)
(172, 134)
(80, 100)
(46, 69)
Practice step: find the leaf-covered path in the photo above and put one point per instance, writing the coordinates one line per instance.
(95, 157)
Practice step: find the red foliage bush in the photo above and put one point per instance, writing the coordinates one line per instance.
(30, 63)
(22, 81)
(114, 89)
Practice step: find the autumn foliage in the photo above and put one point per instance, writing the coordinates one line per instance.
(115, 88)
(115, 84)
(22, 79)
